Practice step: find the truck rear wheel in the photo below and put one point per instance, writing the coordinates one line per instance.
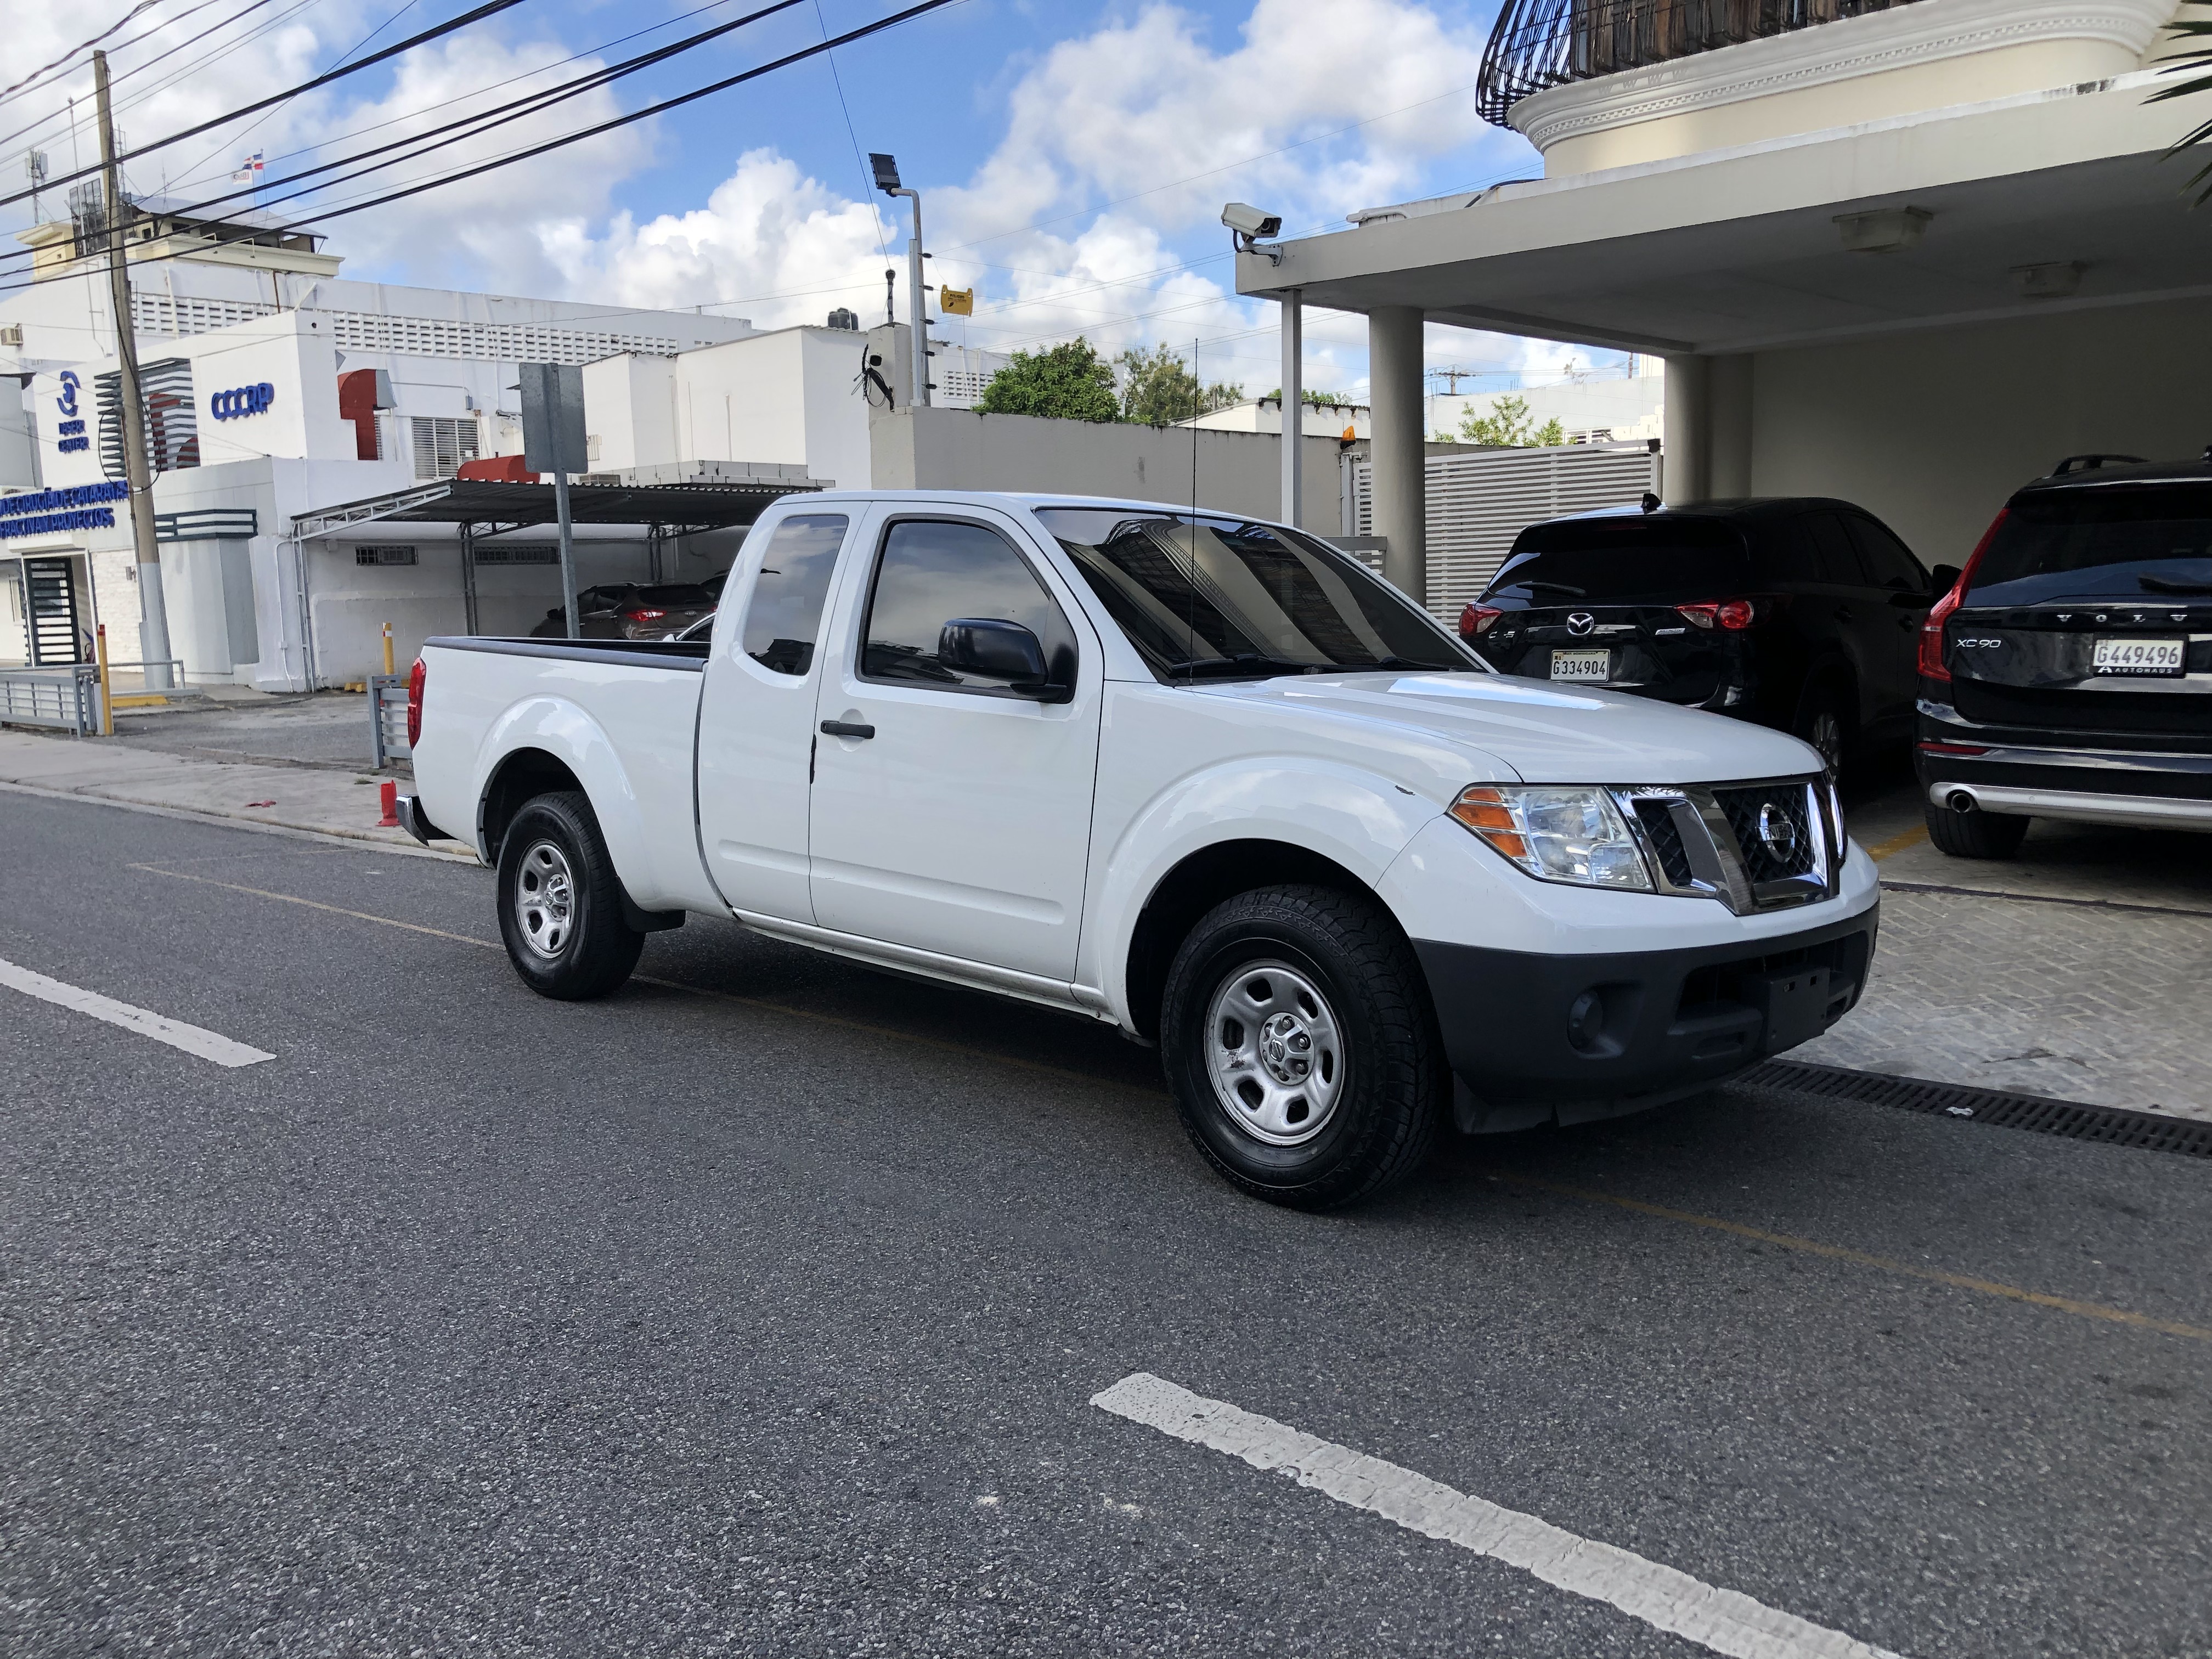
(561, 902)
(1299, 1040)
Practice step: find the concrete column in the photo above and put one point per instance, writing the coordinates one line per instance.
(1401, 508)
(1688, 425)
(1294, 402)
(1728, 465)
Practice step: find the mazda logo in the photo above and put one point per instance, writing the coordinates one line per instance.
(1581, 623)
(1778, 832)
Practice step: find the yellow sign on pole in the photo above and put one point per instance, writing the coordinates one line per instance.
(957, 301)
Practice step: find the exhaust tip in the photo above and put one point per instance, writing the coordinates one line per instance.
(1962, 801)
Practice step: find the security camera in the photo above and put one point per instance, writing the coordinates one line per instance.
(1247, 222)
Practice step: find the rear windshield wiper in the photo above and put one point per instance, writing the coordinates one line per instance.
(2170, 585)
(1553, 587)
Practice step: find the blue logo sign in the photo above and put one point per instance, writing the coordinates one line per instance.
(71, 428)
(241, 401)
(36, 513)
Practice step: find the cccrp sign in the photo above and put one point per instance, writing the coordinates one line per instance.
(239, 402)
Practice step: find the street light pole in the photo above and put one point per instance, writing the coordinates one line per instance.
(153, 610)
(887, 180)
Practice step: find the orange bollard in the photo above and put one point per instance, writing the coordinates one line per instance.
(387, 796)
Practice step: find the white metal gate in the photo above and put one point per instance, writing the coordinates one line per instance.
(1478, 501)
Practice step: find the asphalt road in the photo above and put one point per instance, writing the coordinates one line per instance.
(762, 1316)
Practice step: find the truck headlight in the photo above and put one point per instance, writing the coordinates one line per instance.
(1557, 833)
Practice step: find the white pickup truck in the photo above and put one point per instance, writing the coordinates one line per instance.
(1202, 778)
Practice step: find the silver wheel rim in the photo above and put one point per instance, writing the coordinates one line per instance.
(1828, 738)
(545, 900)
(1275, 1053)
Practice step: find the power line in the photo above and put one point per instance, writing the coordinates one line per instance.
(666, 104)
(489, 8)
(7, 93)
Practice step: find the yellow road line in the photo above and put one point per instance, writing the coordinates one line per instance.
(938, 1043)
(1896, 844)
(1839, 1253)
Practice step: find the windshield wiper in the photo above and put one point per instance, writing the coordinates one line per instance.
(1247, 662)
(2151, 584)
(1553, 587)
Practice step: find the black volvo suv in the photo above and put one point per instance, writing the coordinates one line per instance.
(2069, 672)
(1799, 613)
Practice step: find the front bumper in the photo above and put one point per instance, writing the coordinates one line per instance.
(1663, 1023)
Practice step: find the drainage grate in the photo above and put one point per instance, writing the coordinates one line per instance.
(2113, 1125)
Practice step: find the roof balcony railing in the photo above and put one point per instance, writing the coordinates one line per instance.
(1537, 44)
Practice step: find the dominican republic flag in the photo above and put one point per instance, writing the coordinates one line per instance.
(249, 172)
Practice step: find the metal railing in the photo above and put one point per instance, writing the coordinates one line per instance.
(138, 685)
(387, 718)
(67, 698)
(1547, 43)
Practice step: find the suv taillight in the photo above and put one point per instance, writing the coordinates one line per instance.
(643, 613)
(1932, 665)
(1477, 619)
(1733, 614)
(414, 677)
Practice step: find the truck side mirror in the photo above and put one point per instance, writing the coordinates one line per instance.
(993, 648)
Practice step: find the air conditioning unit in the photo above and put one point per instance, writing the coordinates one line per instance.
(11, 334)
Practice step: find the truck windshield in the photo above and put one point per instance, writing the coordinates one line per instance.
(1660, 559)
(1204, 597)
(2116, 540)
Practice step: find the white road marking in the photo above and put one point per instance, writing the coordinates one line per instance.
(1717, 1619)
(208, 1045)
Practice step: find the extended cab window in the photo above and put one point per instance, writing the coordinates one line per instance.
(933, 571)
(1206, 596)
(783, 618)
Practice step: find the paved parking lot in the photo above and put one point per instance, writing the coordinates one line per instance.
(761, 1309)
(2081, 969)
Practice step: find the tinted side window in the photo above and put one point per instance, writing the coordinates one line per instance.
(1888, 562)
(934, 570)
(783, 619)
(1824, 547)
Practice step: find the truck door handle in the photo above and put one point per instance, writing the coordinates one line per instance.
(846, 729)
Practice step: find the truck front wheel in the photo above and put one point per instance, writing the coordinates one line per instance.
(561, 902)
(1298, 1039)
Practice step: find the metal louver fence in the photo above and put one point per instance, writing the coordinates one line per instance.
(441, 443)
(1478, 501)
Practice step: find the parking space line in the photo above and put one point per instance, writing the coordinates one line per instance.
(1898, 844)
(1723, 1620)
(1887, 1264)
(208, 1045)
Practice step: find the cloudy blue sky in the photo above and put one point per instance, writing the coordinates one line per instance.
(1074, 154)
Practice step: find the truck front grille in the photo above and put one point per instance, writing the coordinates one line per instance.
(1773, 828)
(1755, 846)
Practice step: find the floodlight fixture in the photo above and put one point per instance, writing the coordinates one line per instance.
(886, 169)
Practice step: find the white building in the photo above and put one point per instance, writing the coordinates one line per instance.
(276, 390)
(1266, 415)
(1908, 253)
(1590, 409)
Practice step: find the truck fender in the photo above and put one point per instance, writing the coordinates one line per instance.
(1352, 818)
(572, 736)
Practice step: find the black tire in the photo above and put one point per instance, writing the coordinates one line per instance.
(1825, 718)
(1975, 835)
(586, 948)
(1374, 1025)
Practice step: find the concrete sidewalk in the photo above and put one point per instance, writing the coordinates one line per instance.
(291, 797)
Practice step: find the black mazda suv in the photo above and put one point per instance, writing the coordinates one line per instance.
(1797, 613)
(2067, 674)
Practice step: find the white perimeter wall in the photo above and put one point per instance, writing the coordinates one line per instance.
(1931, 431)
(1238, 472)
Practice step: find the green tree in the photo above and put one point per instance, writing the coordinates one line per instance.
(1159, 389)
(1313, 399)
(2194, 63)
(1070, 382)
(1509, 426)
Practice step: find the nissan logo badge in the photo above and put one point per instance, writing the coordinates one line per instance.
(1778, 832)
(1581, 623)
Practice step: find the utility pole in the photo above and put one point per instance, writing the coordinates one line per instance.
(887, 180)
(153, 610)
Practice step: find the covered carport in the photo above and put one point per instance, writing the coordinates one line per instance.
(1918, 313)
